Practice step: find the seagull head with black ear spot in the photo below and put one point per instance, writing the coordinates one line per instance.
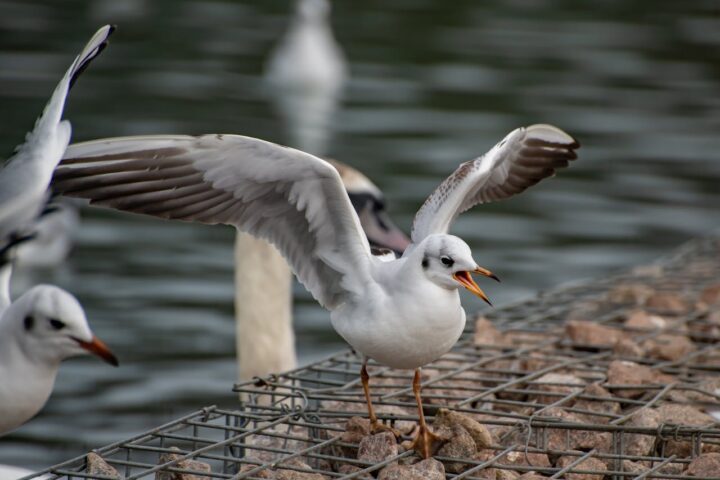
(53, 327)
(447, 261)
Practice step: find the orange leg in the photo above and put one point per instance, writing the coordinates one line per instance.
(426, 441)
(375, 425)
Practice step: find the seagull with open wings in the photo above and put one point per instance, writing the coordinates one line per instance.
(403, 313)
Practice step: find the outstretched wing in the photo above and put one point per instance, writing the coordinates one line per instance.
(25, 177)
(292, 199)
(520, 160)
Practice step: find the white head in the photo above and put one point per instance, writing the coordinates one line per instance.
(447, 261)
(51, 326)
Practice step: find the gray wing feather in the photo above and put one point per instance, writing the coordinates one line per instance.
(522, 159)
(290, 198)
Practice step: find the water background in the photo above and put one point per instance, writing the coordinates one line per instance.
(434, 83)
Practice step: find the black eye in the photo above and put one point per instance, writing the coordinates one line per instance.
(56, 324)
(28, 322)
(378, 204)
(447, 261)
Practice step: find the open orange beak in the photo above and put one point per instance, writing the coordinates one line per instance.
(487, 273)
(463, 277)
(98, 347)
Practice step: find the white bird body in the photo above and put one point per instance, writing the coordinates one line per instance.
(26, 382)
(402, 320)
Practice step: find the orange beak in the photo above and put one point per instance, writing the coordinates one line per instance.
(487, 273)
(98, 347)
(463, 277)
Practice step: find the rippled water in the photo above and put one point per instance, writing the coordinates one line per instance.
(636, 82)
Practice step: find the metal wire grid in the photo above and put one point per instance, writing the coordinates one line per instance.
(294, 422)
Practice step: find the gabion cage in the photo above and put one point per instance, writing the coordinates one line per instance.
(611, 379)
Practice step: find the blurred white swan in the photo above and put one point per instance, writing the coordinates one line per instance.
(305, 75)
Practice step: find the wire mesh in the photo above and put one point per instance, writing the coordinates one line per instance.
(610, 379)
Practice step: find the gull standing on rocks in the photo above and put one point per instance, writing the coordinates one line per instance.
(402, 313)
(46, 324)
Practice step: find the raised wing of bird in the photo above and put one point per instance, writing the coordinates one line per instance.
(292, 199)
(523, 158)
(25, 177)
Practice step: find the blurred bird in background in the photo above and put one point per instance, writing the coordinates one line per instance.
(305, 76)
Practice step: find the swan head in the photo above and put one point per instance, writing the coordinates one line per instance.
(369, 203)
(313, 10)
(52, 327)
(447, 261)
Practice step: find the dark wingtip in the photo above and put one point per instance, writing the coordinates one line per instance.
(49, 209)
(7, 251)
(380, 251)
(84, 62)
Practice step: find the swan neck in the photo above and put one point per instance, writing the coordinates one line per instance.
(263, 309)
